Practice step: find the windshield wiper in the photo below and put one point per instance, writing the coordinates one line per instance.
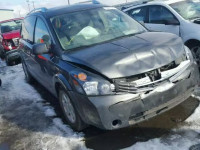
(194, 18)
(128, 35)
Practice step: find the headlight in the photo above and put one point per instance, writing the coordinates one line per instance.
(91, 84)
(179, 60)
(186, 56)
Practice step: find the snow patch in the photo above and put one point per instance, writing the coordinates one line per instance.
(49, 112)
(23, 112)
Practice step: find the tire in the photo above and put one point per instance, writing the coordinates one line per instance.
(2, 53)
(195, 49)
(9, 62)
(70, 113)
(28, 76)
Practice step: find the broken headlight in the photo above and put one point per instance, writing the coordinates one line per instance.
(91, 84)
(186, 56)
(179, 60)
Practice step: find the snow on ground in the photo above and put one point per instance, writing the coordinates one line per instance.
(2, 63)
(25, 122)
(28, 122)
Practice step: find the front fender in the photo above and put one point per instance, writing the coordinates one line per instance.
(191, 36)
(60, 79)
(191, 33)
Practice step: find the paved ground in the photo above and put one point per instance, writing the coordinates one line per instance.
(30, 119)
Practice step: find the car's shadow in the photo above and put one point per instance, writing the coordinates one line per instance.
(159, 126)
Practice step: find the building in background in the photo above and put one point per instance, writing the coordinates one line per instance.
(6, 14)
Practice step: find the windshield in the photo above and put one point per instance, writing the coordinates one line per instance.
(10, 26)
(187, 9)
(93, 26)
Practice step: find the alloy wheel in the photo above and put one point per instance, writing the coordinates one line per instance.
(196, 51)
(68, 108)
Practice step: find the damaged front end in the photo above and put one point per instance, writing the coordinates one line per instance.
(9, 49)
(10, 44)
(140, 97)
(132, 81)
(149, 81)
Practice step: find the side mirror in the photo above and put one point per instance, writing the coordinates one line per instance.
(40, 48)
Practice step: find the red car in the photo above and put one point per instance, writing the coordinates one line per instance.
(9, 39)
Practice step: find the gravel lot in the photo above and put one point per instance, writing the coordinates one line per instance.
(30, 120)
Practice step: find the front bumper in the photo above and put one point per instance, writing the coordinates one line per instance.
(118, 111)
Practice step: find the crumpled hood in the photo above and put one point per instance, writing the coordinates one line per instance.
(130, 56)
(11, 35)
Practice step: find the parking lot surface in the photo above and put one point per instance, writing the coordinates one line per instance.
(30, 119)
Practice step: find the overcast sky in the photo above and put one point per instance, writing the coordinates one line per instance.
(21, 7)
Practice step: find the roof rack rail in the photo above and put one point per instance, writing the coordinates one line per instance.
(90, 1)
(130, 4)
(42, 9)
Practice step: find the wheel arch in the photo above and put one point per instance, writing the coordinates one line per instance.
(191, 42)
(61, 82)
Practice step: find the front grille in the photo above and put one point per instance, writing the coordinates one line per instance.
(147, 81)
(169, 66)
(130, 88)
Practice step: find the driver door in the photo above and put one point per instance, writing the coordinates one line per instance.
(43, 61)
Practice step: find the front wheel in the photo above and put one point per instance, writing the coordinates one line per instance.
(10, 62)
(195, 49)
(69, 111)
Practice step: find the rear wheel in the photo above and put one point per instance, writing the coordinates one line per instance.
(69, 111)
(28, 76)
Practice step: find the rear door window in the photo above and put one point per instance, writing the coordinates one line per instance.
(139, 14)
